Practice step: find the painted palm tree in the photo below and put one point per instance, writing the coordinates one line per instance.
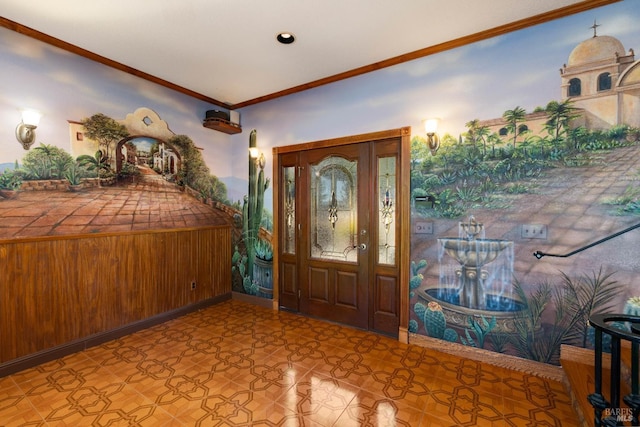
(514, 118)
(579, 135)
(559, 115)
(537, 141)
(47, 153)
(493, 138)
(471, 134)
(94, 162)
(482, 133)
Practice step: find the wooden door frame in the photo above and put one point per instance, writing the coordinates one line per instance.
(404, 134)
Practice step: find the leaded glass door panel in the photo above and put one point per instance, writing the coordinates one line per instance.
(334, 209)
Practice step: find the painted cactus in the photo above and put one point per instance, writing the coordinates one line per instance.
(479, 329)
(239, 265)
(435, 322)
(416, 277)
(253, 205)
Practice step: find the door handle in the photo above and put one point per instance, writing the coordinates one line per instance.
(362, 246)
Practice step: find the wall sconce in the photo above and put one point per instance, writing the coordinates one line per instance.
(433, 141)
(257, 156)
(25, 132)
(254, 152)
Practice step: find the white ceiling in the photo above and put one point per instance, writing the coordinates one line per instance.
(226, 49)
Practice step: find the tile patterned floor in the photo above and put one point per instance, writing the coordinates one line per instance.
(236, 364)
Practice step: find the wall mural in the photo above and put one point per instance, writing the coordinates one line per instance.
(520, 179)
(120, 175)
(92, 167)
(538, 152)
(141, 154)
(548, 181)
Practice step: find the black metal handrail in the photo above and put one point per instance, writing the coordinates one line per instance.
(615, 415)
(539, 254)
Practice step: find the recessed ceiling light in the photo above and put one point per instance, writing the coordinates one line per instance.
(285, 38)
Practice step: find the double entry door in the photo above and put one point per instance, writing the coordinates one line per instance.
(339, 232)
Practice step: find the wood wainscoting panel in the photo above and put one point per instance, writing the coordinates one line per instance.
(60, 290)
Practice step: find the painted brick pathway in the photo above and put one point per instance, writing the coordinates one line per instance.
(152, 203)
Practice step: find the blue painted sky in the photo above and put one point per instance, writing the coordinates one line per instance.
(143, 144)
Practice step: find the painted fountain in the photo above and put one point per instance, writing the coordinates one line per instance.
(475, 279)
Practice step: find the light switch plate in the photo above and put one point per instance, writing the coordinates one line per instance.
(534, 231)
(423, 227)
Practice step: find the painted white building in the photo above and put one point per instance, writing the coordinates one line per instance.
(165, 160)
(601, 80)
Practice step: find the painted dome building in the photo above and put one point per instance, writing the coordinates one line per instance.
(603, 82)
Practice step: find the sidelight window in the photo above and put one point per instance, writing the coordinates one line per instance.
(387, 210)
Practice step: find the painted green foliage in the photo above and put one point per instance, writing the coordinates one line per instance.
(46, 162)
(480, 329)
(10, 180)
(482, 169)
(264, 250)
(94, 163)
(573, 301)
